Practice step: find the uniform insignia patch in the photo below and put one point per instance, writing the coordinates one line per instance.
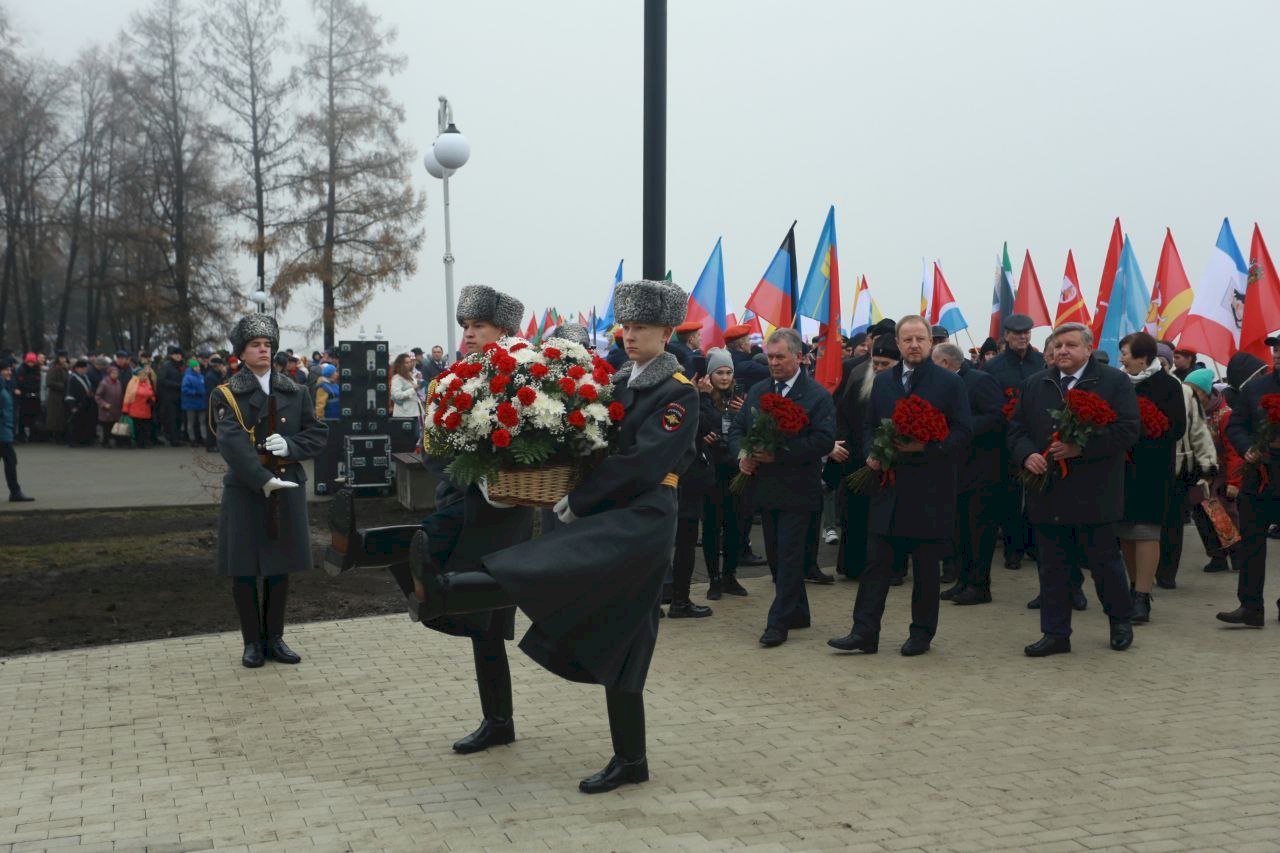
(672, 417)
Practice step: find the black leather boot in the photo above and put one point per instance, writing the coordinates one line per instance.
(493, 682)
(252, 656)
(279, 652)
(715, 589)
(732, 587)
(952, 591)
(687, 610)
(626, 726)
(1141, 608)
(456, 593)
(491, 733)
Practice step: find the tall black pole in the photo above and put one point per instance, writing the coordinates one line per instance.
(655, 139)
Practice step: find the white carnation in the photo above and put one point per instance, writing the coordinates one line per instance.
(546, 413)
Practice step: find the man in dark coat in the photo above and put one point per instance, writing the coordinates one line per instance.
(915, 512)
(1011, 368)
(9, 431)
(82, 409)
(786, 486)
(266, 426)
(1259, 500)
(591, 586)
(684, 345)
(979, 476)
(1075, 515)
(169, 396)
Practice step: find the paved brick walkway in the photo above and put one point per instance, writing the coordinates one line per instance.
(171, 745)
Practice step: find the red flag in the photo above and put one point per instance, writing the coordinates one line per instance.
(1030, 299)
(1261, 300)
(1171, 296)
(1071, 307)
(830, 367)
(532, 328)
(1108, 279)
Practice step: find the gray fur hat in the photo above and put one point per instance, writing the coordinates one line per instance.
(481, 302)
(253, 326)
(573, 332)
(650, 303)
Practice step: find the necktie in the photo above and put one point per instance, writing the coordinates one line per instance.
(1065, 383)
(780, 388)
(906, 380)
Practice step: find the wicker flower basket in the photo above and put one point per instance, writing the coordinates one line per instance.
(540, 487)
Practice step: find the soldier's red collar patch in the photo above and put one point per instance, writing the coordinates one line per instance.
(672, 417)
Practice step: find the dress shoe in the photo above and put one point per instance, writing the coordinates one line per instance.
(914, 646)
(1242, 616)
(492, 732)
(818, 576)
(616, 773)
(973, 595)
(1047, 645)
(1166, 583)
(797, 621)
(1034, 604)
(20, 498)
(715, 590)
(1121, 634)
(687, 610)
(952, 591)
(252, 656)
(773, 637)
(732, 587)
(1141, 608)
(855, 642)
(1217, 564)
(751, 558)
(1078, 601)
(279, 652)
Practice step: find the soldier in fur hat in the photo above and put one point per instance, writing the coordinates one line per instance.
(266, 426)
(591, 587)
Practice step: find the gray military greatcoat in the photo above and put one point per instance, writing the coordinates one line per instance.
(244, 547)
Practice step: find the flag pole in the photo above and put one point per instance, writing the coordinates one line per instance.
(593, 327)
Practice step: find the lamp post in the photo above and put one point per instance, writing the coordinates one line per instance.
(448, 154)
(259, 298)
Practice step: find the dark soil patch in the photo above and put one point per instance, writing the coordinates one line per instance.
(70, 579)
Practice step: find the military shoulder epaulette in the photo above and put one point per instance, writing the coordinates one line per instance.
(681, 378)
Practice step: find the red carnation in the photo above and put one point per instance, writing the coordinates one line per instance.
(463, 402)
(551, 353)
(577, 419)
(438, 417)
(452, 421)
(507, 414)
(500, 438)
(568, 386)
(498, 384)
(588, 393)
(490, 347)
(526, 396)
(519, 345)
(601, 374)
(617, 412)
(577, 372)
(539, 371)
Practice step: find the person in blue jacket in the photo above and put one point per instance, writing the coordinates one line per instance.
(8, 432)
(194, 402)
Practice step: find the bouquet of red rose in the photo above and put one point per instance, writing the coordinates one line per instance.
(1010, 402)
(1154, 422)
(1084, 414)
(914, 419)
(779, 419)
(1268, 432)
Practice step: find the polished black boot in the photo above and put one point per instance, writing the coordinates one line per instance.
(732, 587)
(1121, 635)
(493, 681)
(279, 652)
(275, 593)
(687, 610)
(252, 656)
(244, 592)
(1141, 608)
(456, 593)
(626, 726)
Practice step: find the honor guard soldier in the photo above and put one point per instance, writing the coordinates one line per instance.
(266, 426)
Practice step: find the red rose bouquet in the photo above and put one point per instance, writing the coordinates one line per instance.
(517, 406)
(1010, 402)
(1154, 422)
(778, 420)
(914, 419)
(1268, 433)
(1084, 414)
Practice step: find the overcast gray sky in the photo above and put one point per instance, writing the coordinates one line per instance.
(936, 128)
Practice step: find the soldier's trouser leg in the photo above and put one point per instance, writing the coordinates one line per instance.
(244, 592)
(626, 723)
(275, 593)
(493, 677)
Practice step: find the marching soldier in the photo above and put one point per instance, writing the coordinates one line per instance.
(266, 426)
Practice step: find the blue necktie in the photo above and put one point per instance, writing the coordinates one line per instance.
(906, 380)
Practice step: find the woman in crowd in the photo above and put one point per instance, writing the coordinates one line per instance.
(404, 391)
(55, 416)
(721, 509)
(1149, 472)
(109, 397)
(1225, 483)
(139, 404)
(194, 402)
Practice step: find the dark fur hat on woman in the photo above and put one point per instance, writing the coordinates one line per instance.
(253, 326)
(649, 303)
(481, 302)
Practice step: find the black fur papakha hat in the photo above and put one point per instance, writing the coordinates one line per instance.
(253, 326)
(481, 302)
(649, 303)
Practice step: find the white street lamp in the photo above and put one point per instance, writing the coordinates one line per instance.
(259, 298)
(449, 153)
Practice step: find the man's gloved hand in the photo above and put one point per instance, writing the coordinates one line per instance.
(276, 444)
(484, 492)
(276, 483)
(562, 511)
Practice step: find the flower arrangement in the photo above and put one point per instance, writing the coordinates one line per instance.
(1154, 422)
(1010, 403)
(1268, 432)
(519, 406)
(914, 419)
(780, 418)
(1084, 414)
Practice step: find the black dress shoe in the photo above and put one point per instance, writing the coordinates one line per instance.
(952, 591)
(819, 576)
(773, 637)
(252, 656)
(972, 595)
(20, 498)
(1217, 564)
(732, 587)
(1141, 608)
(1078, 601)
(914, 646)
(616, 773)
(1121, 635)
(492, 732)
(687, 610)
(715, 590)
(1034, 604)
(1242, 616)
(855, 642)
(751, 558)
(279, 652)
(1047, 645)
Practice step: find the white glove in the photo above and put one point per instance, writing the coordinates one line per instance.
(276, 444)
(484, 491)
(563, 512)
(276, 483)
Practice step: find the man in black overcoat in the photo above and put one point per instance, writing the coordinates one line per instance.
(1075, 516)
(786, 486)
(915, 514)
(980, 475)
